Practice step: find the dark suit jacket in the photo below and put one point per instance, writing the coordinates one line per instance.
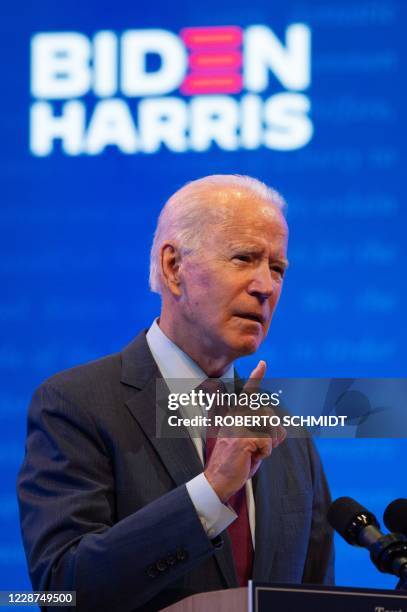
(105, 511)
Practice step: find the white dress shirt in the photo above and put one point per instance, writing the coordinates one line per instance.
(174, 364)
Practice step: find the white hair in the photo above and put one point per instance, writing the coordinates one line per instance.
(185, 215)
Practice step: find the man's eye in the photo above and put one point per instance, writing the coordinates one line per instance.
(279, 269)
(242, 257)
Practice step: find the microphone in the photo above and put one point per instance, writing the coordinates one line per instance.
(395, 516)
(359, 527)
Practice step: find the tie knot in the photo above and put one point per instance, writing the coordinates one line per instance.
(213, 390)
(212, 385)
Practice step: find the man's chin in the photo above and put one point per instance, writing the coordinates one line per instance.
(248, 345)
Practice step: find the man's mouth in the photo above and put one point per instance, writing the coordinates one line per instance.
(251, 316)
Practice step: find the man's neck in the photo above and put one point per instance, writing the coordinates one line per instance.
(214, 367)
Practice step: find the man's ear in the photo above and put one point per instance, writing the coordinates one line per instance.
(170, 259)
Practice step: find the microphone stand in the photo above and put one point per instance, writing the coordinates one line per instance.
(389, 554)
(402, 583)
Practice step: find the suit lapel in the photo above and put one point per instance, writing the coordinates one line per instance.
(267, 489)
(178, 455)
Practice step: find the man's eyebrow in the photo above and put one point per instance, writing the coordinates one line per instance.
(247, 246)
(255, 248)
(283, 261)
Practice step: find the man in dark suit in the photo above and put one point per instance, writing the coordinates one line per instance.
(131, 520)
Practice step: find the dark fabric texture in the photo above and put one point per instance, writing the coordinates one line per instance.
(105, 511)
(239, 531)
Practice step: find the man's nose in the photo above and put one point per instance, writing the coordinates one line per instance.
(262, 284)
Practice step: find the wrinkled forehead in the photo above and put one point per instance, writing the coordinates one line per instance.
(250, 215)
(255, 226)
(232, 204)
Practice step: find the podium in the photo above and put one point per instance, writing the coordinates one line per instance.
(230, 600)
(292, 598)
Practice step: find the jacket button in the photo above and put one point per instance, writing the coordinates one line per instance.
(161, 565)
(152, 571)
(182, 554)
(171, 559)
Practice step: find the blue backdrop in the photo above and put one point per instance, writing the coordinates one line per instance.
(78, 212)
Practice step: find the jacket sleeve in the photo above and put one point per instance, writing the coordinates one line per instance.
(72, 539)
(320, 561)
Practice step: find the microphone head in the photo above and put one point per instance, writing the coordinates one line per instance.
(349, 518)
(395, 516)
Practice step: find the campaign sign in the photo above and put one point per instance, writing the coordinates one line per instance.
(294, 598)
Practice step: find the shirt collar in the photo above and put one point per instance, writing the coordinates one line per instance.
(174, 363)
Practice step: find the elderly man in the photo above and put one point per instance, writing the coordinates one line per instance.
(131, 520)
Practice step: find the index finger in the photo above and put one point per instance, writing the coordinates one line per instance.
(255, 377)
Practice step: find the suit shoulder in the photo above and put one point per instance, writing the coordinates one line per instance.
(100, 373)
(83, 394)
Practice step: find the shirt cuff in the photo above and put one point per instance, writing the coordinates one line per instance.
(214, 516)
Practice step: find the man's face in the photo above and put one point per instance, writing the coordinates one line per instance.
(231, 287)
